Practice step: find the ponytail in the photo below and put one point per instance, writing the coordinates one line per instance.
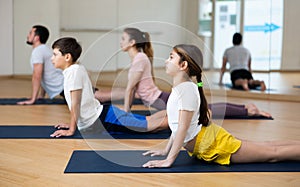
(193, 56)
(148, 50)
(204, 116)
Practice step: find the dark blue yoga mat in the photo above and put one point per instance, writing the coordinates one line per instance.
(43, 132)
(87, 161)
(46, 101)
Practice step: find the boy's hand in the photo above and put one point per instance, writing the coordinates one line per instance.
(27, 102)
(62, 130)
(60, 133)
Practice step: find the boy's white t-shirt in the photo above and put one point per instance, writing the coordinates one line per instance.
(184, 96)
(52, 79)
(76, 78)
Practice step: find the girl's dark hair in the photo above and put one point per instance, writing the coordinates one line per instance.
(68, 45)
(142, 43)
(194, 57)
(237, 38)
(42, 32)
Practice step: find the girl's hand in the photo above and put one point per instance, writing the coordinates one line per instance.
(157, 164)
(62, 126)
(155, 153)
(27, 102)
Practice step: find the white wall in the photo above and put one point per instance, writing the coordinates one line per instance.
(291, 36)
(100, 23)
(26, 14)
(6, 37)
(90, 21)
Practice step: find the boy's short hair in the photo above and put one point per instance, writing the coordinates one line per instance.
(68, 45)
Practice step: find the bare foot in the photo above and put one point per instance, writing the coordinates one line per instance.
(245, 85)
(254, 111)
(262, 86)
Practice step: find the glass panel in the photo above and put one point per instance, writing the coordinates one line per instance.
(263, 22)
(226, 23)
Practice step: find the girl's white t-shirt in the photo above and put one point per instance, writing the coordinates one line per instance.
(184, 96)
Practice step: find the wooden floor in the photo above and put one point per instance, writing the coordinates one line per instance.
(41, 162)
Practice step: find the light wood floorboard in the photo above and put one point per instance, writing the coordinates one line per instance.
(41, 162)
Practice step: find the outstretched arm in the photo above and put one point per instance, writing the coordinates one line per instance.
(249, 64)
(69, 129)
(161, 152)
(185, 118)
(223, 69)
(130, 89)
(36, 84)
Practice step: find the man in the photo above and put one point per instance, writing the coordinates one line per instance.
(239, 59)
(45, 77)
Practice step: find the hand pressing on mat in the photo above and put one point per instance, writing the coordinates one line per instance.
(26, 102)
(158, 164)
(156, 153)
(63, 130)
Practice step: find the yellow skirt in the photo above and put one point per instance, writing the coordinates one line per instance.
(215, 144)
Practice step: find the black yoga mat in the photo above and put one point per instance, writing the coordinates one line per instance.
(43, 132)
(46, 101)
(150, 112)
(87, 161)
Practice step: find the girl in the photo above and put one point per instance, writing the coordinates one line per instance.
(140, 80)
(189, 120)
(87, 114)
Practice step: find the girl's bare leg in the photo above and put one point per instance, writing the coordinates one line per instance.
(110, 95)
(157, 121)
(253, 111)
(271, 151)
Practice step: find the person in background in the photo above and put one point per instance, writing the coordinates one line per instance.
(239, 59)
(45, 77)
